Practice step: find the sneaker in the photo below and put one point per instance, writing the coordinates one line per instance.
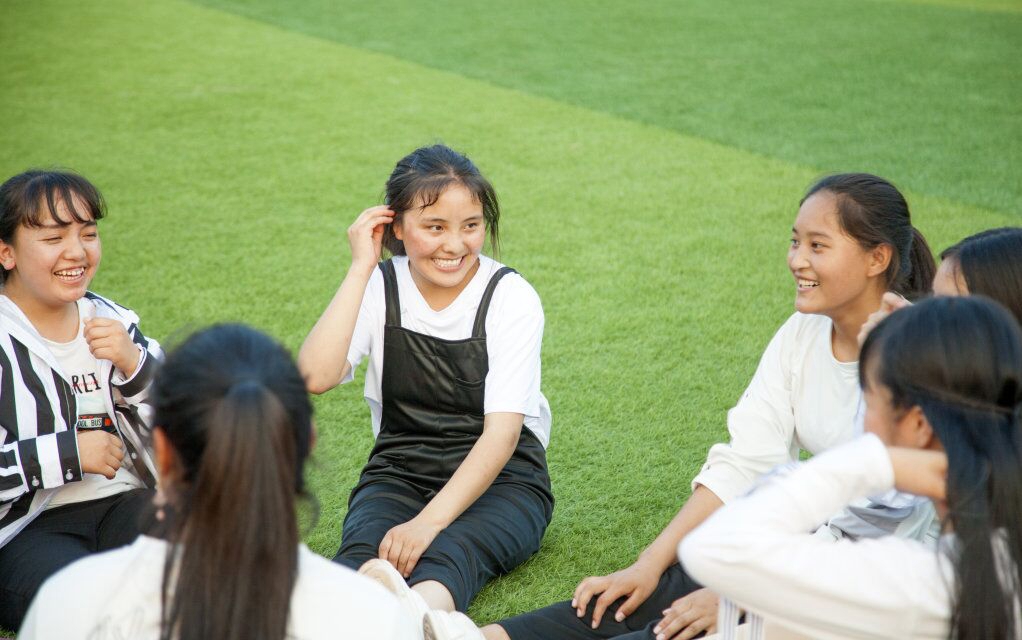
(383, 572)
(441, 625)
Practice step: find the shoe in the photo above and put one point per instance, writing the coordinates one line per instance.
(441, 625)
(383, 572)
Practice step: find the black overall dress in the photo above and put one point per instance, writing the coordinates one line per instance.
(433, 393)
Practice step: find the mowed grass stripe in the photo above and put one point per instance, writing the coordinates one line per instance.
(234, 154)
(925, 94)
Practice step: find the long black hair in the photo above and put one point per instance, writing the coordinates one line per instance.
(990, 262)
(960, 360)
(873, 212)
(235, 411)
(421, 177)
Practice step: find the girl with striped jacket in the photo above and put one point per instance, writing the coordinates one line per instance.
(76, 476)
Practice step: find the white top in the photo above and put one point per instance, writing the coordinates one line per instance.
(84, 373)
(117, 595)
(757, 551)
(514, 335)
(801, 397)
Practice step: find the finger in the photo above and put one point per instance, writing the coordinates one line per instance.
(385, 545)
(583, 594)
(402, 562)
(694, 628)
(112, 461)
(630, 605)
(395, 552)
(673, 627)
(413, 560)
(606, 599)
(108, 472)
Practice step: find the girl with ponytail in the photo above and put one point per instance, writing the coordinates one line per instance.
(234, 432)
(948, 370)
(852, 240)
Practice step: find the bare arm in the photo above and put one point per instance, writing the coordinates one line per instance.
(639, 580)
(323, 358)
(404, 544)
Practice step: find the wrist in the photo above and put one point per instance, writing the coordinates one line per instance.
(361, 269)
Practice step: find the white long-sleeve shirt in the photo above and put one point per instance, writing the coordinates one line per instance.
(758, 552)
(801, 397)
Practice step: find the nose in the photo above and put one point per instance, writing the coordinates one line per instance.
(74, 249)
(797, 258)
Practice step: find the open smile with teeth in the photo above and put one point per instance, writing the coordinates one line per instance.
(446, 264)
(807, 284)
(69, 275)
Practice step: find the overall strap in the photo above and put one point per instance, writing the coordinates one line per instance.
(479, 328)
(390, 293)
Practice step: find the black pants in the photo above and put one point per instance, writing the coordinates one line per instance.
(558, 621)
(58, 537)
(501, 529)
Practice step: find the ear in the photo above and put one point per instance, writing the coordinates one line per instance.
(879, 259)
(7, 255)
(914, 430)
(397, 226)
(166, 457)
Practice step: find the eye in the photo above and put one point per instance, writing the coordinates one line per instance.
(472, 225)
(817, 246)
(90, 235)
(51, 239)
(794, 243)
(435, 227)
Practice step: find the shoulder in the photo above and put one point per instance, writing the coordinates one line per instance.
(513, 293)
(108, 308)
(803, 329)
(101, 571)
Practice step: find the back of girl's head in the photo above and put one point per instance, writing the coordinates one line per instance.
(873, 212)
(31, 199)
(960, 360)
(421, 177)
(234, 409)
(990, 262)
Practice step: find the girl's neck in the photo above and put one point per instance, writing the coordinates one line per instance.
(439, 298)
(57, 323)
(847, 323)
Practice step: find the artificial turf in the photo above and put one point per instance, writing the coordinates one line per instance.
(649, 160)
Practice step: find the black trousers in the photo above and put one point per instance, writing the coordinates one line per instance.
(58, 537)
(501, 529)
(558, 621)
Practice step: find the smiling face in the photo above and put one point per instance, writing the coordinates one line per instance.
(51, 266)
(833, 273)
(443, 242)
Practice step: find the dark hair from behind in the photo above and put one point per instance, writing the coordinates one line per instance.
(235, 411)
(421, 177)
(31, 199)
(873, 212)
(960, 360)
(990, 262)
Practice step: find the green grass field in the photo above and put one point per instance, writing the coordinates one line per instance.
(650, 160)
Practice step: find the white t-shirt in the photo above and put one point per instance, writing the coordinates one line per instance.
(514, 335)
(756, 551)
(83, 372)
(801, 397)
(117, 595)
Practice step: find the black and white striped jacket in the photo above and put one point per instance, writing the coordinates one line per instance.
(38, 413)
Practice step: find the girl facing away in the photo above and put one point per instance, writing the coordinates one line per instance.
(76, 476)
(949, 371)
(234, 432)
(852, 240)
(456, 490)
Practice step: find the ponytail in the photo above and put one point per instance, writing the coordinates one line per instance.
(918, 282)
(234, 409)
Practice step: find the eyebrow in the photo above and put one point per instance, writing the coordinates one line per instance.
(811, 234)
(55, 225)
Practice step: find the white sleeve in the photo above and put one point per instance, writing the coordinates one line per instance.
(514, 337)
(368, 319)
(758, 552)
(761, 425)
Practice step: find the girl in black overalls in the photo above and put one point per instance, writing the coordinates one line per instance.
(456, 490)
